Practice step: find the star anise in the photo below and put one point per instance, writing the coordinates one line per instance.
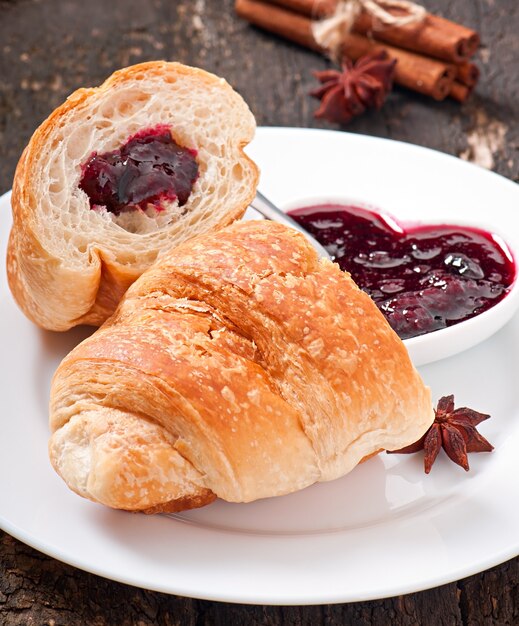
(358, 87)
(455, 431)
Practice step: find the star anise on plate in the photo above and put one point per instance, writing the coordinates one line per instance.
(454, 430)
(359, 86)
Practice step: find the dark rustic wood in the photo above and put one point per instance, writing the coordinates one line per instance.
(48, 48)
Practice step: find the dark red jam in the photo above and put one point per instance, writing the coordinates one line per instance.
(422, 279)
(148, 169)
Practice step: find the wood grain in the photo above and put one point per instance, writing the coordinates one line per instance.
(48, 48)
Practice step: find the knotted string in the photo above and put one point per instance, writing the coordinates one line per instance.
(330, 32)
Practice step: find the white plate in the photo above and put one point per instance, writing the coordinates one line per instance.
(386, 528)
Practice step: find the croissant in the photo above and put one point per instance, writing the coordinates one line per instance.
(115, 177)
(241, 367)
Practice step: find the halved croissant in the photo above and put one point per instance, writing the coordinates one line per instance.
(239, 366)
(69, 263)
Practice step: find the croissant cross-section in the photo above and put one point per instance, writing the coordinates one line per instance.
(116, 176)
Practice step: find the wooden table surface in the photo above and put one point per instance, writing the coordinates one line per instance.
(48, 48)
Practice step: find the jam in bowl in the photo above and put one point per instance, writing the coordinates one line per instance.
(423, 278)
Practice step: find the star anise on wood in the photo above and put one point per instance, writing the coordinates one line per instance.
(359, 86)
(454, 430)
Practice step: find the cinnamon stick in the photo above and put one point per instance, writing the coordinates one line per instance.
(425, 75)
(287, 24)
(460, 92)
(467, 74)
(435, 36)
(311, 8)
(422, 74)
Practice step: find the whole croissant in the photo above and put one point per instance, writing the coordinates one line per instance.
(241, 366)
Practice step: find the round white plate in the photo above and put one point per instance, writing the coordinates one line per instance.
(386, 528)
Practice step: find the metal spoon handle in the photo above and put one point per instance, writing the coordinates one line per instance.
(271, 212)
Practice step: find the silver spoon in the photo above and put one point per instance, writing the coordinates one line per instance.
(271, 212)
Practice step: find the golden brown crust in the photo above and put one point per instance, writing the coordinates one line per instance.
(58, 292)
(264, 368)
(182, 504)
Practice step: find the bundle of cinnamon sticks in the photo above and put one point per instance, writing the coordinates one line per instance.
(433, 55)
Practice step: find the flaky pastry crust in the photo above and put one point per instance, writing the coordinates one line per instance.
(240, 366)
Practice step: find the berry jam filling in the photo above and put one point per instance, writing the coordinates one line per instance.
(422, 279)
(148, 169)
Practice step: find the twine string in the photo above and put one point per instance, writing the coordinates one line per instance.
(330, 32)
